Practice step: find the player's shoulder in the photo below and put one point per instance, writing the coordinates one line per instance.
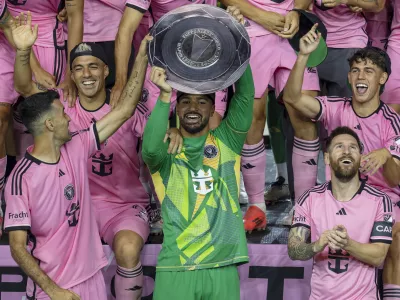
(390, 117)
(26, 170)
(375, 193)
(313, 192)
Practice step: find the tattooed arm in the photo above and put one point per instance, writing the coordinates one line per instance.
(300, 246)
(130, 97)
(24, 37)
(75, 23)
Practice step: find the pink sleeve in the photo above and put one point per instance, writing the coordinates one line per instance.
(322, 115)
(90, 140)
(3, 8)
(17, 215)
(393, 143)
(384, 220)
(302, 213)
(140, 5)
(138, 124)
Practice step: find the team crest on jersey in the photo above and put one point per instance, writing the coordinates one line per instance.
(388, 218)
(69, 192)
(210, 151)
(202, 181)
(145, 95)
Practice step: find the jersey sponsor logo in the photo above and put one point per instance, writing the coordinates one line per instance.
(202, 182)
(299, 219)
(73, 214)
(145, 95)
(17, 2)
(210, 151)
(382, 229)
(340, 261)
(20, 216)
(69, 192)
(102, 165)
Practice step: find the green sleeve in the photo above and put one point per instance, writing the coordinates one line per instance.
(154, 150)
(234, 127)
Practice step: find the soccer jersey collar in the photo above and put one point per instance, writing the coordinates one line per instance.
(375, 112)
(108, 96)
(29, 156)
(194, 151)
(360, 189)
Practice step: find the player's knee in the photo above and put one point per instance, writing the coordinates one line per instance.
(127, 254)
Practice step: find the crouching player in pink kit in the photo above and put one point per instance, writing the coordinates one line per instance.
(348, 222)
(377, 125)
(48, 192)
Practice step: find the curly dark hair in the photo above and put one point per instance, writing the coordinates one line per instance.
(377, 56)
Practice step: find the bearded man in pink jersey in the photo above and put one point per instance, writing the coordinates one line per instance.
(270, 24)
(344, 224)
(377, 125)
(119, 198)
(48, 192)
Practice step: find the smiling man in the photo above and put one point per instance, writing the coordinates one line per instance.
(377, 125)
(350, 217)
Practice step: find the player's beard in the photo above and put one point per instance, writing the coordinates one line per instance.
(342, 173)
(194, 129)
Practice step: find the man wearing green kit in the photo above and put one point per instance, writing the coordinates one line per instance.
(204, 238)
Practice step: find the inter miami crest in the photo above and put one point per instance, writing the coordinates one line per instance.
(145, 95)
(210, 151)
(69, 192)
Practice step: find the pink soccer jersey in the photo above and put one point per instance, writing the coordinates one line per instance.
(380, 130)
(368, 218)
(52, 202)
(98, 29)
(44, 13)
(345, 28)
(115, 170)
(161, 7)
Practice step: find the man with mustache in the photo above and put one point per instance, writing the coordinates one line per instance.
(377, 125)
(204, 238)
(345, 224)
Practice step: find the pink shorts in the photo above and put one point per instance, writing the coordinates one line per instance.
(378, 33)
(151, 93)
(271, 65)
(52, 60)
(391, 95)
(117, 217)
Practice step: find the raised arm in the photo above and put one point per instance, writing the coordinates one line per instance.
(31, 268)
(306, 105)
(154, 148)
(123, 45)
(130, 97)
(24, 36)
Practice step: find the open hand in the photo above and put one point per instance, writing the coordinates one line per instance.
(374, 160)
(23, 33)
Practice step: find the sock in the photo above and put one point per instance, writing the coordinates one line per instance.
(3, 167)
(254, 159)
(391, 292)
(129, 283)
(305, 165)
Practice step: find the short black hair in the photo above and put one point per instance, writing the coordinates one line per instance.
(343, 130)
(34, 107)
(377, 56)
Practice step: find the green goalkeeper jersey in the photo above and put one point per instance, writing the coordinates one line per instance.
(199, 188)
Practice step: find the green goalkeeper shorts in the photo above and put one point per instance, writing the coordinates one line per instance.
(211, 284)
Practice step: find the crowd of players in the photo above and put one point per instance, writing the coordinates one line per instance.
(91, 55)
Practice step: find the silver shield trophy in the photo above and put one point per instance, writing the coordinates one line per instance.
(202, 47)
